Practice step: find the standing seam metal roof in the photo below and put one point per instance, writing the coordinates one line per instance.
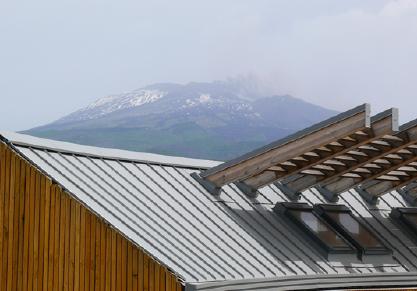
(201, 237)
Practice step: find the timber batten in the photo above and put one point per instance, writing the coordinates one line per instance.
(50, 241)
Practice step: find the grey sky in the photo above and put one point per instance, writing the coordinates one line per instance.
(58, 56)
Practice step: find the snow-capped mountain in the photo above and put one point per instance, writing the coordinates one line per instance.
(217, 120)
(113, 103)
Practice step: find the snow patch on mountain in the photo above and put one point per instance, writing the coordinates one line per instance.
(113, 103)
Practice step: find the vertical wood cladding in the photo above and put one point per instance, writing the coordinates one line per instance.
(49, 241)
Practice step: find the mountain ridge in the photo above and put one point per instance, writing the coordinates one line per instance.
(217, 120)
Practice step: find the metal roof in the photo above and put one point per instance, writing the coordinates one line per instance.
(213, 242)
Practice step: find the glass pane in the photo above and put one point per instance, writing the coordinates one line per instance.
(356, 230)
(411, 217)
(326, 234)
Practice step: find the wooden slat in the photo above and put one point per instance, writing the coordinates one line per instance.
(82, 247)
(151, 275)
(93, 253)
(87, 250)
(13, 248)
(119, 262)
(2, 208)
(135, 269)
(108, 258)
(26, 236)
(52, 229)
(102, 269)
(11, 211)
(129, 270)
(98, 258)
(21, 222)
(145, 272)
(114, 269)
(6, 229)
(77, 246)
(41, 230)
(162, 272)
(71, 263)
(47, 202)
(58, 238)
(141, 271)
(36, 233)
(123, 269)
(67, 241)
(342, 184)
(32, 213)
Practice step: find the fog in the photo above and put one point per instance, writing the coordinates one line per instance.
(57, 56)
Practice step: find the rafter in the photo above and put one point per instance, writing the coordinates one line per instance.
(354, 122)
(381, 125)
(341, 164)
(397, 156)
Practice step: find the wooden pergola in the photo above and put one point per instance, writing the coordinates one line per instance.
(349, 150)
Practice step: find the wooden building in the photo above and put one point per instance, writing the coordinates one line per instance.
(328, 208)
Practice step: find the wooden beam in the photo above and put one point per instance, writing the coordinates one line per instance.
(382, 124)
(407, 134)
(409, 192)
(342, 184)
(293, 146)
(379, 187)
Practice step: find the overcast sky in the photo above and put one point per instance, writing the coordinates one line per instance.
(58, 56)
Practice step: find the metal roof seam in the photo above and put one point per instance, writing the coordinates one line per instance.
(132, 221)
(267, 241)
(184, 252)
(306, 245)
(97, 202)
(133, 175)
(373, 228)
(180, 214)
(263, 226)
(208, 228)
(411, 250)
(230, 216)
(179, 235)
(222, 230)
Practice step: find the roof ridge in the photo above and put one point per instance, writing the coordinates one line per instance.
(108, 153)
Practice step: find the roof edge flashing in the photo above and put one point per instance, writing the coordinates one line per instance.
(210, 187)
(389, 113)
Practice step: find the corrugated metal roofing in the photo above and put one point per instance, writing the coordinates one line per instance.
(154, 202)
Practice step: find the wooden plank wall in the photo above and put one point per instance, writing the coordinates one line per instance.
(49, 241)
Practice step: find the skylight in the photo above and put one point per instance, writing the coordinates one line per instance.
(344, 222)
(408, 216)
(315, 228)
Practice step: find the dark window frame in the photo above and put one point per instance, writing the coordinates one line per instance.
(286, 208)
(400, 214)
(322, 210)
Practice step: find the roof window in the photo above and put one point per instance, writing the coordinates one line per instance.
(317, 229)
(345, 223)
(408, 216)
